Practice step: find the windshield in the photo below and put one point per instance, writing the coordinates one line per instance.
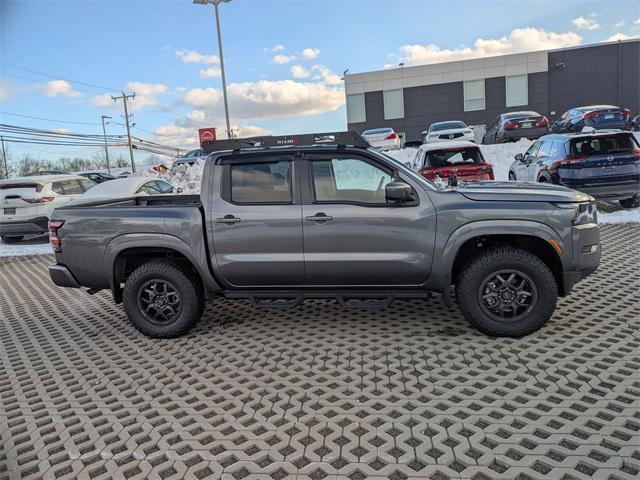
(451, 157)
(436, 127)
(404, 169)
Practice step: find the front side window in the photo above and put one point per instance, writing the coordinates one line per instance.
(265, 182)
(393, 104)
(150, 188)
(164, 187)
(532, 150)
(545, 150)
(86, 183)
(517, 90)
(474, 95)
(356, 108)
(349, 180)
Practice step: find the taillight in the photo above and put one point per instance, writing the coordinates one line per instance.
(626, 112)
(38, 199)
(511, 125)
(56, 243)
(391, 136)
(568, 161)
(543, 123)
(590, 116)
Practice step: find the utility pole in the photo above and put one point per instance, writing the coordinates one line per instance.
(124, 98)
(4, 157)
(106, 148)
(223, 76)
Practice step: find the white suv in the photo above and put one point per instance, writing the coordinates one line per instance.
(26, 203)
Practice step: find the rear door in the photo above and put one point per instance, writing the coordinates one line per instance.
(352, 236)
(255, 221)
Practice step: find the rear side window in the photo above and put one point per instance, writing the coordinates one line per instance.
(602, 145)
(67, 187)
(448, 158)
(264, 182)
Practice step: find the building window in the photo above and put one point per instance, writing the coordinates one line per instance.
(474, 95)
(355, 108)
(517, 91)
(393, 104)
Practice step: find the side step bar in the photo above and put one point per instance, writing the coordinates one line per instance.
(357, 299)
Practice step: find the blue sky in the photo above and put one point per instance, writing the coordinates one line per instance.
(162, 50)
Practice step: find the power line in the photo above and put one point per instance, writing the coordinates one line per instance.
(47, 119)
(57, 77)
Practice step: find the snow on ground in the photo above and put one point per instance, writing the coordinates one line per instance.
(621, 216)
(31, 246)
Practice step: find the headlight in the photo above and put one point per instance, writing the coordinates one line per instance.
(583, 212)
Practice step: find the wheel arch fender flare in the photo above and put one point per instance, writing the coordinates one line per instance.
(198, 259)
(485, 228)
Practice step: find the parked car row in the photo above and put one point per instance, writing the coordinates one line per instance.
(26, 203)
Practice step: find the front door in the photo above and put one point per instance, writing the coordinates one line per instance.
(352, 236)
(255, 222)
(526, 169)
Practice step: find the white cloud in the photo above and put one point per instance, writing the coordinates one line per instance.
(6, 91)
(211, 72)
(620, 24)
(102, 101)
(584, 23)
(618, 36)
(637, 21)
(325, 75)
(59, 88)
(310, 53)
(282, 59)
(146, 93)
(298, 71)
(190, 56)
(185, 135)
(519, 40)
(276, 48)
(268, 99)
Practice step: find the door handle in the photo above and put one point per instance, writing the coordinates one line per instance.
(319, 217)
(228, 220)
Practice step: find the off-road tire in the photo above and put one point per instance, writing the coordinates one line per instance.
(492, 260)
(185, 283)
(11, 239)
(633, 202)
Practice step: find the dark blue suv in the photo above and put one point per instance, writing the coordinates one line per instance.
(604, 164)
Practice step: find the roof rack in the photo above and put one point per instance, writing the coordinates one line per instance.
(329, 138)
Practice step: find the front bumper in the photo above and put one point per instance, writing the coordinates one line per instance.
(61, 276)
(465, 138)
(25, 227)
(586, 255)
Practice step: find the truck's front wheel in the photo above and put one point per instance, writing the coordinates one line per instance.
(506, 292)
(162, 299)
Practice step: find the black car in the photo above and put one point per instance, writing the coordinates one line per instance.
(512, 126)
(596, 116)
(605, 165)
(98, 177)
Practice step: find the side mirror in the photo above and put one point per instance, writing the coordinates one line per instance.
(519, 157)
(179, 190)
(398, 191)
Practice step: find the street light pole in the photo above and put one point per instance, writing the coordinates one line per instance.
(216, 4)
(106, 148)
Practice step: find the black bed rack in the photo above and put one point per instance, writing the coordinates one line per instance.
(309, 139)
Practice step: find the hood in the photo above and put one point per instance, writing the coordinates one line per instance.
(520, 192)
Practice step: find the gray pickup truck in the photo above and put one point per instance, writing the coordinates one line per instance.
(283, 219)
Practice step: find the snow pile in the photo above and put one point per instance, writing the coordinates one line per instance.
(621, 216)
(404, 155)
(183, 176)
(501, 156)
(35, 246)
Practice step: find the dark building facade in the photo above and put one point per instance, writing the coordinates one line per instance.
(476, 91)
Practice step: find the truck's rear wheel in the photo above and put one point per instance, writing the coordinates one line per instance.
(162, 299)
(506, 292)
